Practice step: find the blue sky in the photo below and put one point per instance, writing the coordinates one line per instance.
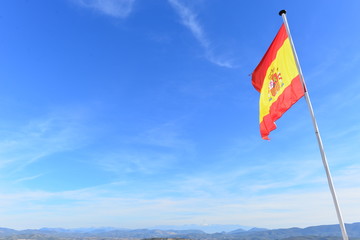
(135, 113)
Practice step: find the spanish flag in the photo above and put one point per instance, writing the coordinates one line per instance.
(278, 81)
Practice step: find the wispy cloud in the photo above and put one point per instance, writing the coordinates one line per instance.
(30, 142)
(114, 8)
(144, 162)
(189, 19)
(28, 178)
(103, 204)
(167, 135)
(151, 151)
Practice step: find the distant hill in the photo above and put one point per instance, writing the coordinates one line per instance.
(353, 231)
(7, 231)
(324, 232)
(257, 229)
(207, 228)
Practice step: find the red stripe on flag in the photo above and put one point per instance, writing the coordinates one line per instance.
(259, 73)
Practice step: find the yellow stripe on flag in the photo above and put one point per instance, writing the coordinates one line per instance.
(284, 67)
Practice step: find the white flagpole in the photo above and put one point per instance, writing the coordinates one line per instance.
(282, 13)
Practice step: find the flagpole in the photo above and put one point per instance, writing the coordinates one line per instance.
(282, 13)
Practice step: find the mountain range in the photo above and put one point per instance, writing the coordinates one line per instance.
(207, 228)
(323, 232)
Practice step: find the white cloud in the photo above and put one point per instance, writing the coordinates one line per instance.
(189, 19)
(108, 205)
(114, 8)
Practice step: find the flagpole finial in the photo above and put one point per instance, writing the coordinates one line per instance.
(282, 12)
